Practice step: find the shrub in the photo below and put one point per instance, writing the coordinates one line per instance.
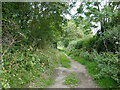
(108, 41)
(89, 42)
(108, 63)
(79, 44)
(24, 66)
(75, 52)
(85, 43)
(72, 44)
(103, 66)
(86, 55)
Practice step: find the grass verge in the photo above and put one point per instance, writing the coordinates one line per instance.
(65, 62)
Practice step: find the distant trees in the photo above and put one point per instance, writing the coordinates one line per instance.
(71, 32)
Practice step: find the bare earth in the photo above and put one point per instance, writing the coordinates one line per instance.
(85, 79)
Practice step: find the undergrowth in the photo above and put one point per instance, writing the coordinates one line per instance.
(65, 62)
(101, 75)
(25, 66)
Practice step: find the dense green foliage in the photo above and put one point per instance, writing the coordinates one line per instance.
(99, 52)
(29, 30)
(86, 42)
(71, 33)
(24, 67)
(106, 63)
(33, 23)
(32, 30)
(100, 75)
(107, 41)
(107, 13)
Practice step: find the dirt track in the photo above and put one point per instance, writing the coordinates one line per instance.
(85, 79)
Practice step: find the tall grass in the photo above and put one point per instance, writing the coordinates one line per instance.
(65, 62)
